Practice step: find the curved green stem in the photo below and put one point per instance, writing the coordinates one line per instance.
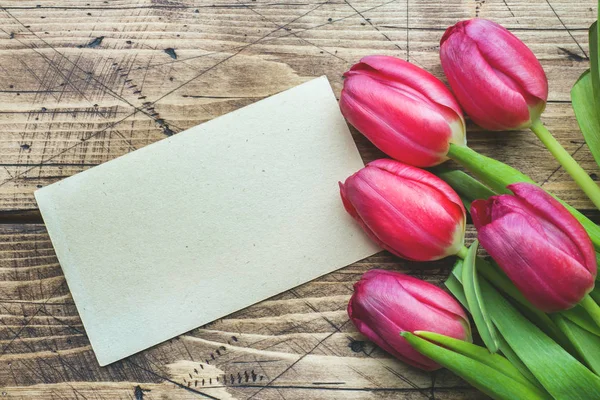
(584, 181)
(497, 176)
(493, 173)
(592, 308)
(462, 253)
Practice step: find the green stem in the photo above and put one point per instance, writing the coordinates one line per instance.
(497, 176)
(584, 181)
(462, 253)
(494, 173)
(463, 183)
(592, 308)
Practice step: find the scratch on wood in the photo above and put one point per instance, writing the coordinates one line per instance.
(567, 29)
(171, 52)
(138, 392)
(94, 43)
(571, 55)
(478, 6)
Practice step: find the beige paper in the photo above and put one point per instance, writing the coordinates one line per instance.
(204, 223)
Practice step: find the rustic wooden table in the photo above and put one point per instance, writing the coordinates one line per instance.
(85, 81)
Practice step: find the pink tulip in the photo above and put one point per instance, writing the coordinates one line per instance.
(386, 303)
(496, 78)
(405, 111)
(542, 248)
(406, 210)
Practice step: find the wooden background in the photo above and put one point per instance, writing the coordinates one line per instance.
(85, 81)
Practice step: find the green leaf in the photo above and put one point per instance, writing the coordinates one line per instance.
(485, 378)
(516, 362)
(586, 343)
(468, 189)
(477, 353)
(494, 275)
(455, 287)
(463, 183)
(587, 111)
(484, 325)
(594, 33)
(558, 371)
(595, 293)
(580, 316)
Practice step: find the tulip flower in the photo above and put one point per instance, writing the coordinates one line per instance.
(502, 86)
(495, 77)
(404, 110)
(386, 303)
(540, 246)
(406, 210)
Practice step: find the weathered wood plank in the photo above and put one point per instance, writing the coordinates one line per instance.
(69, 101)
(83, 82)
(301, 337)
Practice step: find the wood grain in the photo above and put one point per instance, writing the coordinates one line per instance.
(297, 345)
(85, 81)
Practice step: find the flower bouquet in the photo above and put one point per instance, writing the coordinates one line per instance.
(532, 300)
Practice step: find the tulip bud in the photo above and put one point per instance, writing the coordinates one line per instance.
(496, 78)
(406, 210)
(404, 110)
(386, 303)
(542, 248)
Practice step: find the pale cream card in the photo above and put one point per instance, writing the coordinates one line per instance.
(207, 222)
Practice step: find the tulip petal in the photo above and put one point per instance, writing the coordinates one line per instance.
(383, 305)
(506, 53)
(407, 225)
(481, 213)
(431, 295)
(397, 124)
(371, 334)
(403, 75)
(397, 346)
(560, 221)
(387, 290)
(380, 309)
(354, 214)
(548, 277)
(484, 96)
(424, 178)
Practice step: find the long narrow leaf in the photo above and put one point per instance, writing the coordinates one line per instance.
(456, 288)
(595, 293)
(484, 325)
(579, 316)
(587, 111)
(558, 371)
(482, 376)
(463, 184)
(594, 33)
(477, 353)
(501, 281)
(516, 362)
(586, 343)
